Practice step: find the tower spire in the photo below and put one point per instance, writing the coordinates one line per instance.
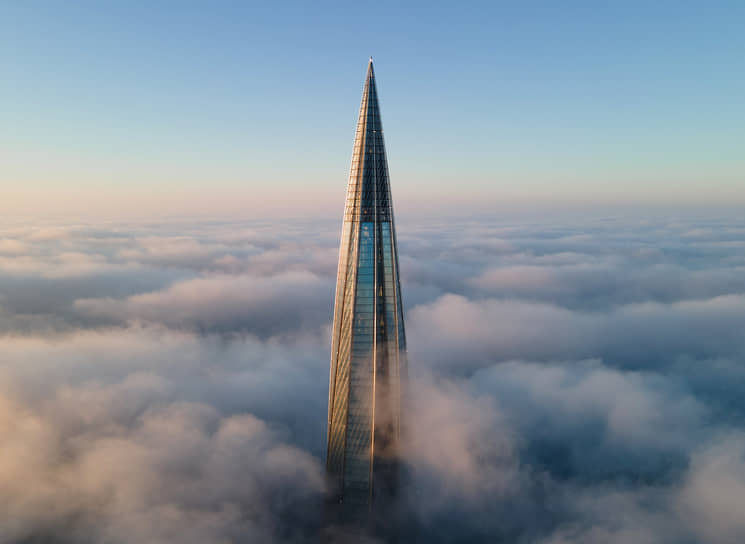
(368, 354)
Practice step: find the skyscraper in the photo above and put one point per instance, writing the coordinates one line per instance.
(368, 352)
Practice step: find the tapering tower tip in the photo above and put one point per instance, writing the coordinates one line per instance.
(368, 346)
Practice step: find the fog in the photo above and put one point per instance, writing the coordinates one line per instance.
(579, 381)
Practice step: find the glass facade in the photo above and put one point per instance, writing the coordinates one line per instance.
(368, 360)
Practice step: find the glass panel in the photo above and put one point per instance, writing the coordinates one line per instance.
(359, 423)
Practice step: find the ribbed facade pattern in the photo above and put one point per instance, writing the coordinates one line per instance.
(368, 359)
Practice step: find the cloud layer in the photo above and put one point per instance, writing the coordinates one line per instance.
(575, 383)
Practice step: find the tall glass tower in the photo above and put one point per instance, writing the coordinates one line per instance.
(368, 352)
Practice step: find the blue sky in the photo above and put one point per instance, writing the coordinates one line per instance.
(192, 105)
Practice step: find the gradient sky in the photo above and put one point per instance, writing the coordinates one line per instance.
(228, 107)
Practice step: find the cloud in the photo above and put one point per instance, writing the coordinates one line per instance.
(465, 334)
(168, 250)
(461, 440)
(168, 475)
(235, 375)
(714, 490)
(600, 285)
(281, 303)
(9, 246)
(151, 435)
(574, 382)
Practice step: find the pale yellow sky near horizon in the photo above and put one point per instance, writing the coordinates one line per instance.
(99, 202)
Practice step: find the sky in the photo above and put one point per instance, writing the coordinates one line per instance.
(219, 108)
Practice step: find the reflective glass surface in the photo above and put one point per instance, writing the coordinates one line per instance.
(368, 361)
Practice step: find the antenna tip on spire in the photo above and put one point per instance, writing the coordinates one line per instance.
(370, 58)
